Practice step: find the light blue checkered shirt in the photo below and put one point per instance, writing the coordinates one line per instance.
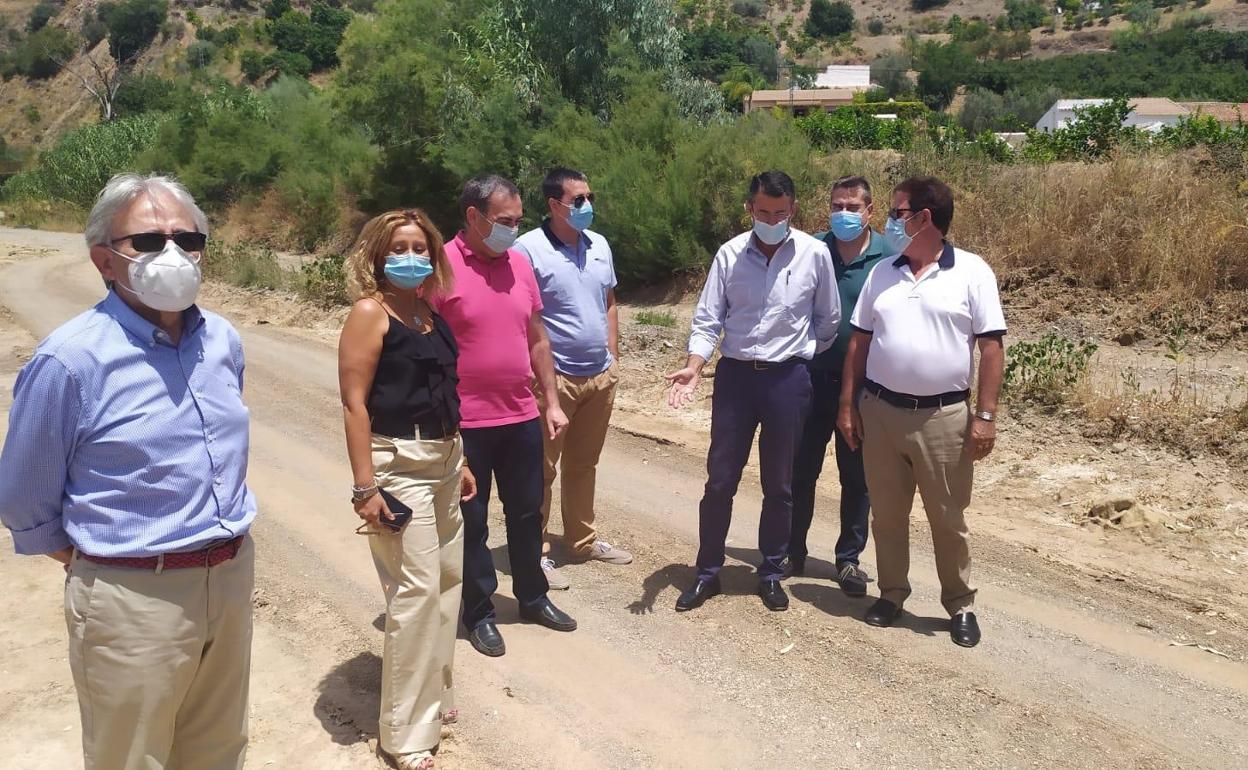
(122, 444)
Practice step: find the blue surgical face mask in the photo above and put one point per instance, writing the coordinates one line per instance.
(771, 234)
(408, 271)
(895, 237)
(500, 238)
(581, 218)
(846, 225)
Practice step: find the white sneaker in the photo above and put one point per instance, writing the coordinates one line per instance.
(604, 551)
(554, 577)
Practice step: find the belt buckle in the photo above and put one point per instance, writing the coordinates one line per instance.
(914, 408)
(760, 366)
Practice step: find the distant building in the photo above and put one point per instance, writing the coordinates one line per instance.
(801, 101)
(1148, 114)
(856, 77)
(1226, 113)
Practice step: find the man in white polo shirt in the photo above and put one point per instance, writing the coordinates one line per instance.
(906, 385)
(576, 276)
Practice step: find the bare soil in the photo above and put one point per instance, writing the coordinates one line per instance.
(1106, 644)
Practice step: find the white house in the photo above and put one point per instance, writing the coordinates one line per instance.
(1148, 114)
(852, 77)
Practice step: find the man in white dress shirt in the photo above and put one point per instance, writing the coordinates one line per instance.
(772, 293)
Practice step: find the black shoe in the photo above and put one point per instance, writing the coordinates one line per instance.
(883, 614)
(546, 614)
(794, 566)
(773, 595)
(964, 629)
(486, 640)
(852, 578)
(702, 589)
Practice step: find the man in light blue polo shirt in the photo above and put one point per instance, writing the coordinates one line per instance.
(576, 276)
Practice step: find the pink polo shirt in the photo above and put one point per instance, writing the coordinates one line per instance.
(489, 311)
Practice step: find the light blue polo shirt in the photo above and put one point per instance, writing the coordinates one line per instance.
(574, 283)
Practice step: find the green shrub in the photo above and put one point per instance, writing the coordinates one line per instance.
(244, 265)
(323, 281)
(875, 26)
(76, 169)
(200, 54)
(829, 19)
(854, 129)
(252, 64)
(44, 12)
(132, 25)
(661, 318)
(1044, 371)
(39, 55)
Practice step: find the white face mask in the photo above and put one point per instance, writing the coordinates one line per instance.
(165, 280)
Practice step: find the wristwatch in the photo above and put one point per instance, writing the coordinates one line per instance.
(360, 494)
(986, 416)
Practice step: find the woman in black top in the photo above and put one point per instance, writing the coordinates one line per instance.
(396, 371)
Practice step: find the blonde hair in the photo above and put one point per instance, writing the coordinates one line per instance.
(365, 264)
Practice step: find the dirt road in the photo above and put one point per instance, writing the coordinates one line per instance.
(1077, 668)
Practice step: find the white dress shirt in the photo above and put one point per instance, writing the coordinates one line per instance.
(768, 311)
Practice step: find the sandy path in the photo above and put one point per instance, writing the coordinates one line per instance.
(1066, 674)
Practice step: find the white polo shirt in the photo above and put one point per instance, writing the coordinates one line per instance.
(923, 330)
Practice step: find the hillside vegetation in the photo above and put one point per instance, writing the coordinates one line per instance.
(291, 123)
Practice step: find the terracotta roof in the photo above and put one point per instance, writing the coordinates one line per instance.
(805, 96)
(1157, 106)
(1223, 112)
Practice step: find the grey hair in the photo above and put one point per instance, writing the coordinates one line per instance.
(480, 189)
(122, 190)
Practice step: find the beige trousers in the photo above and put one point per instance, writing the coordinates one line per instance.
(161, 662)
(421, 569)
(587, 402)
(905, 448)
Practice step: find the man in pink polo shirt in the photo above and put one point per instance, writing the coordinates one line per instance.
(494, 311)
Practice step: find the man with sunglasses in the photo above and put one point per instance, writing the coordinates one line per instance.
(576, 276)
(904, 400)
(856, 249)
(126, 461)
(494, 309)
(771, 294)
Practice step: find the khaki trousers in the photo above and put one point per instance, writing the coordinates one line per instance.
(421, 570)
(161, 662)
(587, 402)
(905, 448)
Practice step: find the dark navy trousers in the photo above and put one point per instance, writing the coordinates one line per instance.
(746, 398)
(820, 428)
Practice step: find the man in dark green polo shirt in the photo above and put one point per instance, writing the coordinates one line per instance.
(855, 251)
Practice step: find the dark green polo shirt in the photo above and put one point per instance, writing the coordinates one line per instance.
(849, 281)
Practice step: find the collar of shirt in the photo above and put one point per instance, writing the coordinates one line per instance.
(753, 245)
(578, 254)
(875, 248)
(945, 261)
(142, 329)
(460, 242)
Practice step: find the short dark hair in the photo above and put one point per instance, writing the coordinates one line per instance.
(552, 185)
(928, 192)
(854, 183)
(775, 184)
(481, 188)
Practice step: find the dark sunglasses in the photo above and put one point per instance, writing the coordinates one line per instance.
(147, 242)
(896, 213)
(579, 200)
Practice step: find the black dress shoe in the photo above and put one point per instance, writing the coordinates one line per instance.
(883, 613)
(852, 579)
(794, 566)
(486, 640)
(701, 590)
(964, 629)
(773, 595)
(546, 614)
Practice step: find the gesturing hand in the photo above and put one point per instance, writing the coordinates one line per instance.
(684, 383)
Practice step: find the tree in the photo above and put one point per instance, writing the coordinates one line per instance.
(981, 111)
(942, 68)
(100, 76)
(42, 13)
(890, 72)
(1025, 14)
(829, 19)
(920, 6)
(252, 64)
(132, 25)
(276, 9)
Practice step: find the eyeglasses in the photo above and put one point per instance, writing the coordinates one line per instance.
(579, 200)
(148, 242)
(896, 213)
(852, 207)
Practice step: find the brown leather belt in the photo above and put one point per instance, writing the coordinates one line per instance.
(205, 557)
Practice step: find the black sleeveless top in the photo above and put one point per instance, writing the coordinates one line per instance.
(415, 380)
